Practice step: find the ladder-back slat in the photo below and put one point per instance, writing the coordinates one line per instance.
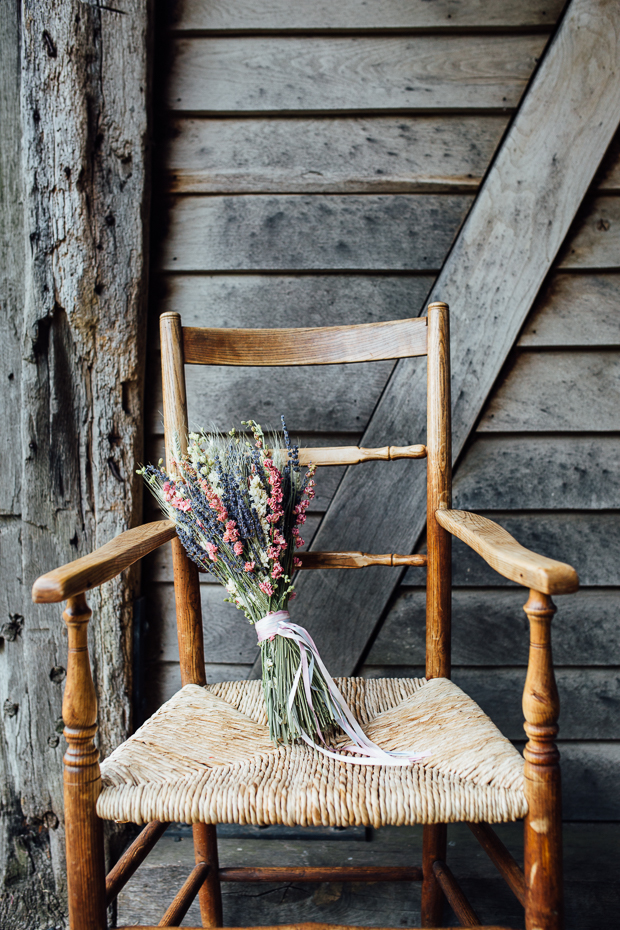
(354, 455)
(357, 559)
(327, 345)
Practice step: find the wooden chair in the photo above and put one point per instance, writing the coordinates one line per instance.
(439, 790)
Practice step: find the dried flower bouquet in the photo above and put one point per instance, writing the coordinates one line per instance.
(238, 507)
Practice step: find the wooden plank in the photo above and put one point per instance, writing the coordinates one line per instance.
(12, 265)
(547, 391)
(379, 154)
(508, 557)
(589, 698)
(595, 238)
(489, 627)
(539, 473)
(322, 15)
(284, 233)
(268, 75)
(584, 539)
(322, 345)
(341, 400)
(575, 310)
(283, 300)
(491, 277)
(333, 155)
(85, 209)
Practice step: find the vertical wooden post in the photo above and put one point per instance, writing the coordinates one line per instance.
(187, 590)
(82, 779)
(439, 570)
(543, 824)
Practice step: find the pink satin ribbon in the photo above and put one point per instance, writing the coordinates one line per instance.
(278, 624)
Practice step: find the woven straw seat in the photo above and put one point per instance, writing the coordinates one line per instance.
(205, 756)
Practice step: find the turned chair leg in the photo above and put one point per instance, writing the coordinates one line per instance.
(434, 844)
(82, 779)
(210, 894)
(543, 824)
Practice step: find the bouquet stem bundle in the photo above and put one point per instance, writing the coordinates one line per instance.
(238, 508)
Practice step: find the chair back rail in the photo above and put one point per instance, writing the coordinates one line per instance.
(324, 345)
(439, 494)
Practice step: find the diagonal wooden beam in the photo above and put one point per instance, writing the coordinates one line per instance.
(490, 279)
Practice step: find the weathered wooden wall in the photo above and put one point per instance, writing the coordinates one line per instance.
(73, 215)
(320, 163)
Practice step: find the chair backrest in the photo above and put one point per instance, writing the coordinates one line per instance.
(332, 345)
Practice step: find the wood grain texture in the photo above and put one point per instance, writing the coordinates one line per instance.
(488, 629)
(519, 221)
(465, 913)
(333, 155)
(335, 560)
(557, 392)
(306, 233)
(544, 893)
(505, 862)
(595, 238)
(275, 15)
(330, 873)
(253, 75)
(331, 345)
(439, 497)
(574, 472)
(11, 244)
(185, 896)
(354, 455)
(82, 778)
(342, 399)
(133, 858)
(101, 565)
(503, 553)
(287, 300)
(575, 310)
(210, 893)
(586, 540)
(78, 316)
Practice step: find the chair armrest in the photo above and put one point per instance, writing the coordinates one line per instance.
(506, 555)
(102, 564)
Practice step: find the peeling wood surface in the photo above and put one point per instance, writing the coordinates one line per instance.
(276, 15)
(78, 308)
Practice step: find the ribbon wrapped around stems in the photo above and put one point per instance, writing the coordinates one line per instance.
(368, 753)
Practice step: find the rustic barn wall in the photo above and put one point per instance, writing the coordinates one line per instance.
(74, 224)
(318, 175)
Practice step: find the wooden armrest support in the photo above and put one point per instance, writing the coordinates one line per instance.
(506, 555)
(103, 564)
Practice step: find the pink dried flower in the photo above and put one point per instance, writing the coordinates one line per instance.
(297, 562)
(249, 566)
(299, 542)
(212, 551)
(267, 588)
(276, 570)
(238, 548)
